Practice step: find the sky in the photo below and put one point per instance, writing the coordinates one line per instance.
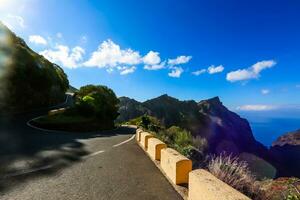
(246, 52)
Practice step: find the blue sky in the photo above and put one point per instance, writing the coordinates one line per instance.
(245, 52)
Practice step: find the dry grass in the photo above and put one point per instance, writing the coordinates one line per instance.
(235, 173)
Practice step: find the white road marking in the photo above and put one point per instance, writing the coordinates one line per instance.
(116, 145)
(24, 171)
(93, 154)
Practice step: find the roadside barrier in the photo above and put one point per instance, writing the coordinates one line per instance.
(175, 165)
(202, 185)
(144, 139)
(138, 135)
(154, 148)
(205, 186)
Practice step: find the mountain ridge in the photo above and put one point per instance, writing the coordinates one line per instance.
(224, 129)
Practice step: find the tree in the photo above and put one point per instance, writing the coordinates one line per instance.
(101, 99)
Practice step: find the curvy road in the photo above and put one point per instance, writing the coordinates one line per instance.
(40, 165)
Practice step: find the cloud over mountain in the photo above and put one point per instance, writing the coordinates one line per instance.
(37, 39)
(252, 72)
(61, 54)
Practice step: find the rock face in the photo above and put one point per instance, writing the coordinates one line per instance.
(224, 130)
(285, 152)
(28, 80)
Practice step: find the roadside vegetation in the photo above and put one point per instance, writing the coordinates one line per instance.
(95, 108)
(235, 173)
(283, 188)
(229, 169)
(174, 136)
(28, 80)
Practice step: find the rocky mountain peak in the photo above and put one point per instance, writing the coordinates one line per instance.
(214, 100)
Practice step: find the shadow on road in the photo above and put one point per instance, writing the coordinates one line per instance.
(24, 150)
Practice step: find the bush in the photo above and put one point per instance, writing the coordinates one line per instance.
(200, 143)
(283, 188)
(85, 109)
(147, 122)
(235, 173)
(96, 108)
(88, 99)
(175, 137)
(293, 197)
(98, 101)
(182, 140)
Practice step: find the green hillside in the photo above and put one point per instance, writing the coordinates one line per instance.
(28, 80)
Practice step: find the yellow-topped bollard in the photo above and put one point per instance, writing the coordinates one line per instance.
(204, 185)
(138, 134)
(175, 165)
(144, 139)
(154, 148)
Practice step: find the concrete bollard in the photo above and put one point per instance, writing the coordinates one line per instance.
(138, 135)
(154, 148)
(204, 185)
(175, 165)
(144, 139)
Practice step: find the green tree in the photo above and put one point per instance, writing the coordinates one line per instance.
(101, 99)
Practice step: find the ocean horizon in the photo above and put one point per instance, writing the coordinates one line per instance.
(266, 129)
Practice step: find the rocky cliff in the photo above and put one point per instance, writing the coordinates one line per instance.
(285, 152)
(224, 130)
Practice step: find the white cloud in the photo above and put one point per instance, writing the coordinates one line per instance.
(152, 58)
(215, 69)
(127, 70)
(13, 21)
(265, 91)
(257, 107)
(155, 67)
(199, 72)
(259, 66)
(175, 72)
(179, 60)
(211, 70)
(239, 75)
(110, 55)
(37, 39)
(61, 54)
(251, 73)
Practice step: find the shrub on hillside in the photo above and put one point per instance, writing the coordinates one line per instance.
(98, 101)
(96, 108)
(28, 80)
(182, 140)
(175, 137)
(283, 188)
(147, 122)
(235, 173)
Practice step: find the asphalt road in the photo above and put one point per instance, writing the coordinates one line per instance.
(103, 165)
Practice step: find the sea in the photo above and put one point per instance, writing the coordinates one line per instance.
(267, 128)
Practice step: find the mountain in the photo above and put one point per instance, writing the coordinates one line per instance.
(28, 80)
(72, 89)
(285, 151)
(223, 129)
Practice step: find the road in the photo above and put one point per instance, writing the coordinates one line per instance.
(103, 165)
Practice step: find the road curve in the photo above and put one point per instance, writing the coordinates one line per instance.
(101, 166)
